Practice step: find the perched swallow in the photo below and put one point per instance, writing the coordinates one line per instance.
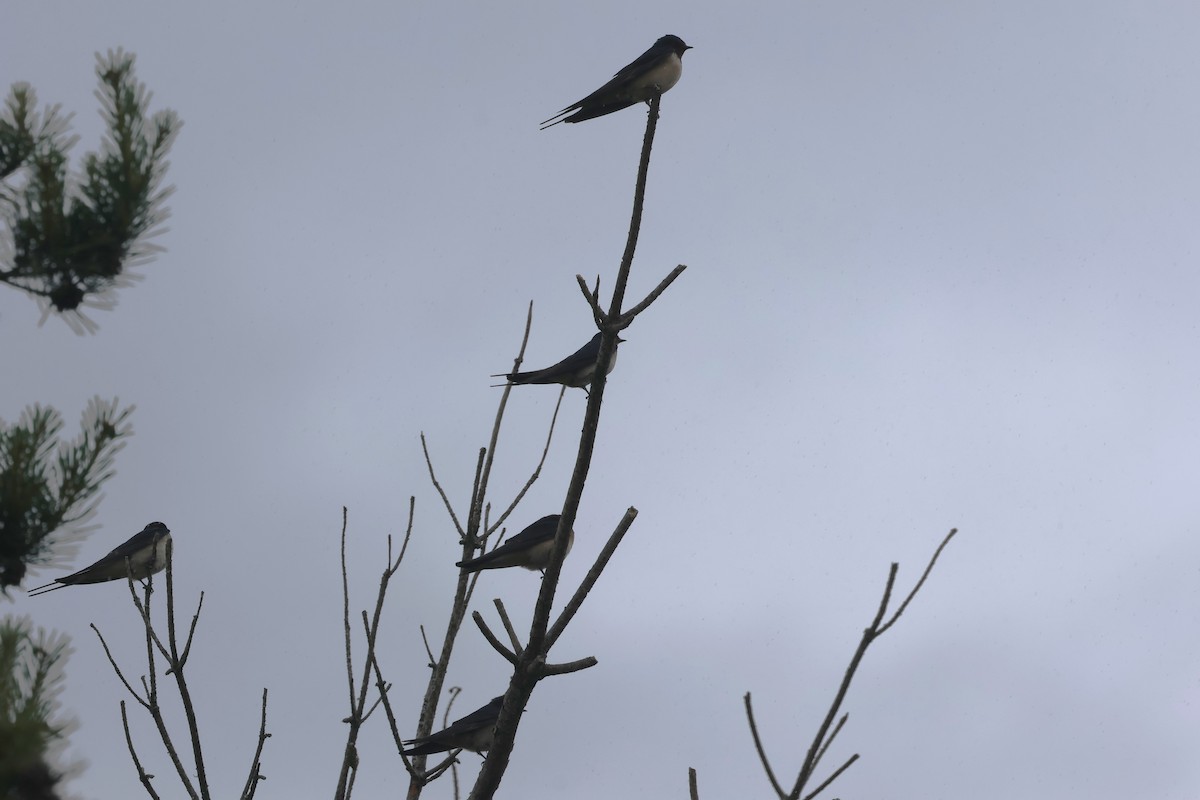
(653, 72)
(575, 370)
(143, 555)
(473, 732)
(531, 548)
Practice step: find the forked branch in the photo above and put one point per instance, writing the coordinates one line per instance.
(828, 729)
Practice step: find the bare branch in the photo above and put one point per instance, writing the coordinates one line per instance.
(176, 668)
(920, 583)
(120, 675)
(359, 692)
(592, 300)
(428, 650)
(408, 532)
(366, 715)
(520, 356)
(825, 736)
(383, 688)
(589, 580)
(346, 610)
(537, 471)
(470, 540)
(150, 680)
(868, 636)
(832, 777)
(441, 492)
(479, 489)
(255, 776)
(569, 666)
(143, 609)
(758, 745)
(187, 647)
(143, 776)
(829, 739)
(492, 640)
(693, 787)
(508, 626)
(627, 318)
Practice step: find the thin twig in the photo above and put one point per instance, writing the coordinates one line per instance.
(627, 317)
(829, 739)
(366, 715)
(868, 636)
(758, 745)
(828, 731)
(832, 777)
(428, 650)
(592, 301)
(537, 471)
(635, 222)
(120, 675)
(479, 488)
(143, 777)
(150, 680)
(359, 692)
(143, 609)
(185, 695)
(255, 776)
(569, 666)
(383, 688)
(346, 631)
(496, 644)
(508, 626)
(920, 583)
(589, 580)
(187, 647)
(436, 485)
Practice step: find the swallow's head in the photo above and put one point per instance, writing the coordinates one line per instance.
(675, 43)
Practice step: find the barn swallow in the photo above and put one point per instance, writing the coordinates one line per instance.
(143, 555)
(473, 732)
(531, 548)
(653, 72)
(575, 370)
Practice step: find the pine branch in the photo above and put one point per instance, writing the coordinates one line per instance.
(74, 236)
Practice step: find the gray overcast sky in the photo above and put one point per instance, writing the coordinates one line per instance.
(941, 272)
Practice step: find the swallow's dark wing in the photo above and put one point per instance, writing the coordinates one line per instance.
(624, 76)
(460, 732)
(534, 534)
(92, 573)
(138, 542)
(611, 96)
(572, 364)
(643, 62)
(608, 98)
(478, 718)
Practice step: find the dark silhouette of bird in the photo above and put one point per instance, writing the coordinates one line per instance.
(576, 370)
(531, 548)
(653, 72)
(473, 732)
(143, 555)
